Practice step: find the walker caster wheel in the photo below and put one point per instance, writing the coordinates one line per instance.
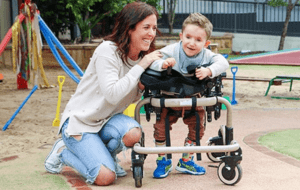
(229, 175)
(138, 176)
(214, 156)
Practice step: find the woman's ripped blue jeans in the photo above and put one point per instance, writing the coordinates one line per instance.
(95, 149)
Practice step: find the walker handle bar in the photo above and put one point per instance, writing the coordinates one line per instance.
(185, 102)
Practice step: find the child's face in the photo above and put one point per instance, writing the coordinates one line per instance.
(193, 40)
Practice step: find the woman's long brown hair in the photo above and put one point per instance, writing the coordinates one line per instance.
(126, 20)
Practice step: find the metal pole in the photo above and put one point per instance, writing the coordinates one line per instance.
(235, 19)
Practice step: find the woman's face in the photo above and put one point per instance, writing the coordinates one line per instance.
(142, 36)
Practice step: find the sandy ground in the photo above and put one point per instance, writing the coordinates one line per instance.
(32, 127)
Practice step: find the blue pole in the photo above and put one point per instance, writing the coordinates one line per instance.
(60, 46)
(18, 110)
(56, 54)
(234, 71)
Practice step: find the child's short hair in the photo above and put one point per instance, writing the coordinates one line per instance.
(199, 20)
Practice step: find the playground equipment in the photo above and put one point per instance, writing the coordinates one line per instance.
(26, 46)
(51, 40)
(129, 110)
(282, 57)
(233, 71)
(283, 79)
(35, 26)
(8, 35)
(222, 148)
(18, 110)
(61, 80)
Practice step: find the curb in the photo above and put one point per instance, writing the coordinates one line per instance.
(252, 141)
(74, 179)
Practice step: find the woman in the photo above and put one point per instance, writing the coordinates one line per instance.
(93, 128)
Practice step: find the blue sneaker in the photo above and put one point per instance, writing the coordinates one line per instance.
(163, 167)
(190, 167)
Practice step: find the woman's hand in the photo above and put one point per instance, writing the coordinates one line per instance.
(149, 58)
(203, 73)
(169, 62)
(141, 86)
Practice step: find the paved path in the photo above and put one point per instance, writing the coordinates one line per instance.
(262, 168)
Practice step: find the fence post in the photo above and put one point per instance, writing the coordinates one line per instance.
(212, 11)
(235, 20)
(263, 12)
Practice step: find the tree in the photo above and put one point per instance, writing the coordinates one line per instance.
(289, 7)
(154, 3)
(171, 13)
(55, 14)
(87, 16)
(63, 14)
(108, 21)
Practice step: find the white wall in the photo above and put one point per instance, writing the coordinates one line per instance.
(5, 17)
(254, 42)
(258, 42)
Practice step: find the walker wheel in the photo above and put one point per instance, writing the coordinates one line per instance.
(214, 156)
(138, 176)
(229, 175)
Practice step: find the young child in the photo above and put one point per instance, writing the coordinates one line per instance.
(191, 50)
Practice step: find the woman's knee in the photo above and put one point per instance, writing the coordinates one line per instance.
(133, 136)
(105, 177)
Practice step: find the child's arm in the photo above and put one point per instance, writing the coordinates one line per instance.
(169, 62)
(166, 60)
(202, 73)
(218, 66)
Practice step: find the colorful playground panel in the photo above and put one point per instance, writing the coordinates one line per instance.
(289, 57)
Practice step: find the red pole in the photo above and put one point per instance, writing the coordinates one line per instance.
(8, 36)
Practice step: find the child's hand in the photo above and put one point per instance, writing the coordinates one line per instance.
(203, 73)
(169, 62)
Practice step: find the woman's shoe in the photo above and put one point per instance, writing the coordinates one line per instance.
(52, 162)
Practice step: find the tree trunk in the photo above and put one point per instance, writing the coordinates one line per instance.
(289, 9)
(171, 13)
(170, 28)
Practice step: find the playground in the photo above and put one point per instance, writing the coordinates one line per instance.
(36, 117)
(29, 133)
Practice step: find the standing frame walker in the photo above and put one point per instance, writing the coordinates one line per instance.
(222, 148)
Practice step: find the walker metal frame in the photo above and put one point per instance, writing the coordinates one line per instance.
(222, 148)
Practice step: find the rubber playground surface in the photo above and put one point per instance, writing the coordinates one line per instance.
(283, 57)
